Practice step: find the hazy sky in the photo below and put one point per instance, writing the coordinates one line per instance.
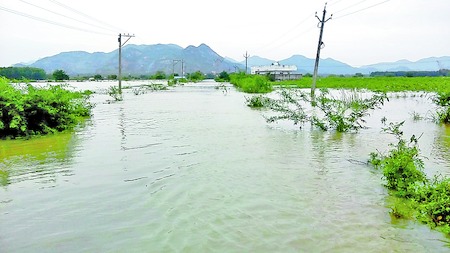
(361, 31)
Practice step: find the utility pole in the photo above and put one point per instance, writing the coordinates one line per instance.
(319, 46)
(182, 68)
(246, 56)
(174, 62)
(120, 57)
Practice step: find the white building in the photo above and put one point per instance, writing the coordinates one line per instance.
(280, 72)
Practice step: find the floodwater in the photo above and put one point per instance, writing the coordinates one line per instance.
(193, 169)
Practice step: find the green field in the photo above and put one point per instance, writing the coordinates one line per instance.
(384, 84)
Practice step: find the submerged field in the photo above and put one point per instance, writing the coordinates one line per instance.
(193, 169)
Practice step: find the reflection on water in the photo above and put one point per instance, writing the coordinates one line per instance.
(27, 160)
(193, 169)
(442, 148)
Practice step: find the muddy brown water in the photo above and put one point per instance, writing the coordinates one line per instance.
(193, 169)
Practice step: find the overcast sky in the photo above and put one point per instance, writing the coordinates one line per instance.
(361, 32)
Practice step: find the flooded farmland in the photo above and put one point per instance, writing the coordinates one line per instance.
(193, 169)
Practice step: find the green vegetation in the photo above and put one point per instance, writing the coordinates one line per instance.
(342, 114)
(258, 101)
(382, 84)
(29, 110)
(159, 75)
(415, 195)
(442, 100)
(222, 77)
(98, 77)
(195, 77)
(115, 93)
(23, 73)
(251, 83)
(60, 75)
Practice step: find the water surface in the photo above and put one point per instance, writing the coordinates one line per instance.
(193, 169)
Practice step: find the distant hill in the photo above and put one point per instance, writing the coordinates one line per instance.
(147, 59)
(139, 59)
(426, 64)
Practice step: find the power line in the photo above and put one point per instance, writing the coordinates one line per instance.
(334, 2)
(286, 33)
(51, 22)
(346, 8)
(85, 15)
(371, 6)
(62, 15)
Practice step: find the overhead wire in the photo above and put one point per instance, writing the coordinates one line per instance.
(62, 15)
(285, 34)
(85, 15)
(351, 6)
(52, 22)
(360, 10)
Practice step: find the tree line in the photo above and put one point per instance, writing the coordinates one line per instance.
(441, 72)
(23, 73)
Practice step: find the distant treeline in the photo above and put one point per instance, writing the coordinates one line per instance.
(442, 72)
(23, 72)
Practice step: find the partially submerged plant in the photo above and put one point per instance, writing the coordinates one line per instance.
(258, 101)
(402, 167)
(426, 200)
(442, 100)
(114, 92)
(341, 114)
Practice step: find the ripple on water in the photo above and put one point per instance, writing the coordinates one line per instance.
(194, 170)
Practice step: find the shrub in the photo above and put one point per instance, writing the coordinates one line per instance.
(402, 168)
(341, 114)
(258, 101)
(31, 111)
(251, 83)
(442, 100)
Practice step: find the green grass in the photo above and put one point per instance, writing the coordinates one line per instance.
(251, 83)
(382, 84)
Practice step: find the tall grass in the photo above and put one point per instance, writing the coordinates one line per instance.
(251, 83)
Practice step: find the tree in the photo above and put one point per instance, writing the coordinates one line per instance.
(112, 77)
(224, 76)
(196, 76)
(23, 72)
(60, 75)
(98, 77)
(159, 75)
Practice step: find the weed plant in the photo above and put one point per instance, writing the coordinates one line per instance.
(416, 196)
(114, 92)
(28, 110)
(442, 100)
(341, 114)
(258, 101)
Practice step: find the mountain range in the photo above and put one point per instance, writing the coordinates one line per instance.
(171, 58)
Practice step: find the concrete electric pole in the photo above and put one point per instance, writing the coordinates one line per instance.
(319, 46)
(246, 56)
(120, 57)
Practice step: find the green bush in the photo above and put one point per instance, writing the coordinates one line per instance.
(428, 200)
(341, 114)
(442, 100)
(402, 167)
(251, 83)
(26, 111)
(258, 101)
